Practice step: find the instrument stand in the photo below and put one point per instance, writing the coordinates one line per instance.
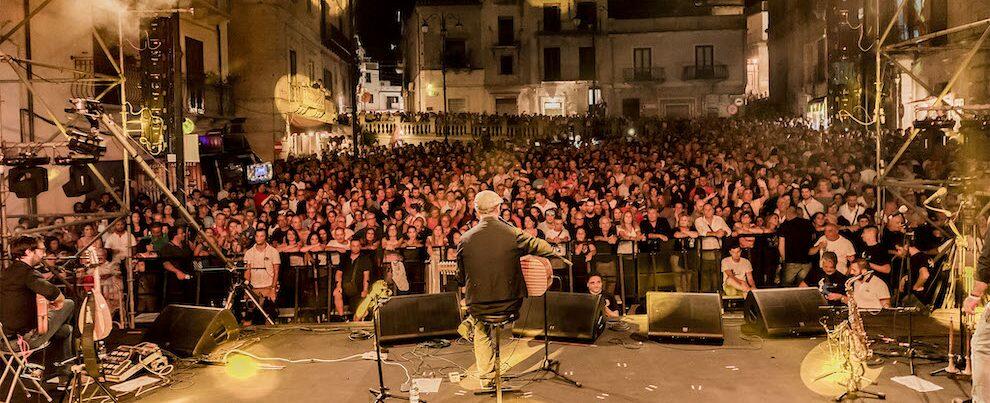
(860, 394)
(381, 394)
(240, 284)
(548, 365)
(78, 381)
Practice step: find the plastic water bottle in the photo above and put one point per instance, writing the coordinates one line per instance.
(414, 395)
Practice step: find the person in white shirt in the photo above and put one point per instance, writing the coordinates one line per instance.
(543, 203)
(262, 261)
(808, 205)
(851, 210)
(712, 228)
(737, 274)
(833, 242)
(119, 241)
(869, 291)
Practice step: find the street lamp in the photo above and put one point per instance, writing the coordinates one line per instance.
(425, 28)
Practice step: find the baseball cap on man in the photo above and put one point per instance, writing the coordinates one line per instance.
(487, 201)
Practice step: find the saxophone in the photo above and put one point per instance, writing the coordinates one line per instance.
(860, 344)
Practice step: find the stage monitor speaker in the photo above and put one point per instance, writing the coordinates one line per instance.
(573, 317)
(80, 181)
(27, 181)
(683, 316)
(785, 311)
(189, 331)
(413, 317)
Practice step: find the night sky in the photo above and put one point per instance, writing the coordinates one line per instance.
(379, 29)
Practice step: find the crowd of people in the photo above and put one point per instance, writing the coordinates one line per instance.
(712, 205)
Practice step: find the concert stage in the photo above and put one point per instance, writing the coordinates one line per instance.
(617, 368)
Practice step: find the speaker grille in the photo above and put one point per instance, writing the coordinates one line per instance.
(685, 315)
(419, 316)
(573, 316)
(784, 311)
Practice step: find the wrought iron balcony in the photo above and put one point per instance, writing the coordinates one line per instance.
(643, 74)
(710, 72)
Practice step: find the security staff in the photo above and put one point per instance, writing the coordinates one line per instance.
(490, 274)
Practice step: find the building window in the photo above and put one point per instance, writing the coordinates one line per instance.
(327, 80)
(704, 60)
(456, 105)
(506, 34)
(551, 64)
(195, 75)
(293, 67)
(642, 63)
(505, 65)
(455, 54)
(391, 102)
(586, 61)
(630, 108)
(367, 78)
(551, 18)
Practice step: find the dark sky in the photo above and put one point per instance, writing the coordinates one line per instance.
(378, 28)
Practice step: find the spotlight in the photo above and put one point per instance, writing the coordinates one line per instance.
(86, 143)
(631, 131)
(26, 179)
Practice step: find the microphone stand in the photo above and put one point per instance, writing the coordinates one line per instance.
(381, 394)
(548, 364)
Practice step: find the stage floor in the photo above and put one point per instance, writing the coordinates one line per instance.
(617, 368)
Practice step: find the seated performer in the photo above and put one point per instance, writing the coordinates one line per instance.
(870, 291)
(595, 287)
(490, 274)
(19, 286)
(829, 280)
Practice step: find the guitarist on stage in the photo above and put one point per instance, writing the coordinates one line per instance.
(980, 346)
(20, 283)
(489, 272)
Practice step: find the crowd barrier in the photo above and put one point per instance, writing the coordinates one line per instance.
(630, 269)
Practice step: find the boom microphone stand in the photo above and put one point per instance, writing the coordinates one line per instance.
(548, 364)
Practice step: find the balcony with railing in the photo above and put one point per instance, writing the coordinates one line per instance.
(644, 74)
(706, 72)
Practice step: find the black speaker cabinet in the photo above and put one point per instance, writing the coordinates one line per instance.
(785, 311)
(411, 317)
(573, 317)
(685, 317)
(189, 331)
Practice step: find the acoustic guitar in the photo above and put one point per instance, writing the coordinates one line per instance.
(42, 305)
(538, 273)
(99, 316)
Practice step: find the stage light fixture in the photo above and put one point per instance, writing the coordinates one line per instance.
(86, 143)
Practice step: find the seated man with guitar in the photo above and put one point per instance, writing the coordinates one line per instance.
(489, 270)
(25, 298)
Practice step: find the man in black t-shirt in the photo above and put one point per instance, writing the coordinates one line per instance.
(795, 239)
(921, 277)
(831, 282)
(655, 229)
(612, 304)
(352, 278)
(876, 255)
(176, 257)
